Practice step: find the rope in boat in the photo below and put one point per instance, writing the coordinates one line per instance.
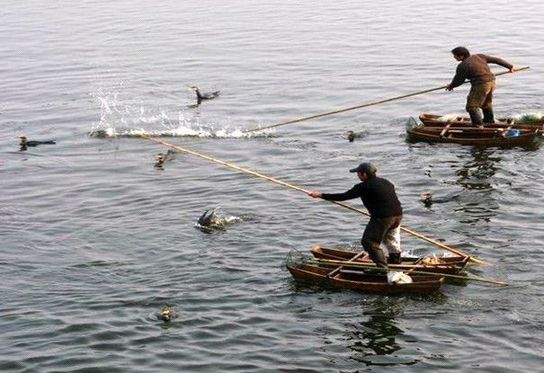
(364, 105)
(283, 183)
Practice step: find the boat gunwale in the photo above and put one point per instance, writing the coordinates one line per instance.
(456, 263)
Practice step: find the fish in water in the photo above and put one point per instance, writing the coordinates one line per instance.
(162, 157)
(203, 96)
(167, 314)
(26, 143)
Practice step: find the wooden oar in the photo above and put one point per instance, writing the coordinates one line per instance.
(283, 183)
(345, 263)
(363, 105)
(335, 271)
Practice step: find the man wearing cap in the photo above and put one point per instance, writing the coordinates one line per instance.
(475, 68)
(379, 197)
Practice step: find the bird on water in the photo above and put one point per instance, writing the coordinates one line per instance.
(161, 158)
(203, 96)
(26, 143)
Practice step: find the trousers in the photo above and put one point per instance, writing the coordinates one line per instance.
(480, 96)
(384, 231)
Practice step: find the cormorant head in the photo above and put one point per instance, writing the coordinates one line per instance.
(160, 158)
(427, 199)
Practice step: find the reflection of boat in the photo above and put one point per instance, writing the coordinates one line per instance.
(449, 265)
(361, 281)
(434, 120)
(468, 135)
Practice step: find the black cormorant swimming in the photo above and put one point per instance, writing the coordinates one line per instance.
(203, 96)
(25, 143)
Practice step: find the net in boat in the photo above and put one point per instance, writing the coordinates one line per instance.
(296, 259)
(528, 117)
(411, 123)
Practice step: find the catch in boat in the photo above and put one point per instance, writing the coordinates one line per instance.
(525, 121)
(490, 135)
(359, 280)
(447, 265)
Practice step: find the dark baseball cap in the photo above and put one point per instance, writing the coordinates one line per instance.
(365, 167)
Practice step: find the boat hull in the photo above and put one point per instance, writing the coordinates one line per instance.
(467, 135)
(361, 281)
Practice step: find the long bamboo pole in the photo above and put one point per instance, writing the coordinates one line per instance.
(364, 105)
(345, 263)
(283, 183)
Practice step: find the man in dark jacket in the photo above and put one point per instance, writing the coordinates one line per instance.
(475, 68)
(379, 197)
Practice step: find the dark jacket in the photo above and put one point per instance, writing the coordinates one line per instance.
(378, 196)
(475, 69)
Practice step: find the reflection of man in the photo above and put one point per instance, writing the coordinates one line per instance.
(379, 197)
(376, 336)
(475, 68)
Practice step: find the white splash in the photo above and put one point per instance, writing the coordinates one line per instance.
(129, 120)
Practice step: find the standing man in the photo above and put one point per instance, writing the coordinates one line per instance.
(379, 197)
(475, 68)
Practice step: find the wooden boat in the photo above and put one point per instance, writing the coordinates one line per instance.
(448, 265)
(375, 283)
(468, 135)
(434, 120)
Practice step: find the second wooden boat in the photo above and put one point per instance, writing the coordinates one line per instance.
(447, 265)
(491, 136)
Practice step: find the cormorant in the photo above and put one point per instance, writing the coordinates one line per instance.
(25, 143)
(427, 199)
(208, 218)
(161, 158)
(203, 96)
(351, 135)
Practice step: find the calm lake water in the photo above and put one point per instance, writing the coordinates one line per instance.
(95, 239)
